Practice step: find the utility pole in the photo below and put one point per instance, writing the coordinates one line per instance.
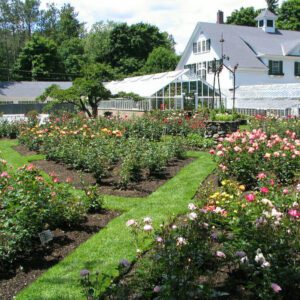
(232, 71)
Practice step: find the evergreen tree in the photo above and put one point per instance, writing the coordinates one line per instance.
(272, 5)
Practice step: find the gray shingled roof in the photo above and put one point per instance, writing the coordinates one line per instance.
(266, 14)
(26, 90)
(243, 44)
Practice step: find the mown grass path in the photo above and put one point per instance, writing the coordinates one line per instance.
(103, 251)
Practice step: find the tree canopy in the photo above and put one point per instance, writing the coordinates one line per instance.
(52, 44)
(38, 60)
(161, 60)
(289, 15)
(131, 45)
(23, 26)
(244, 16)
(85, 94)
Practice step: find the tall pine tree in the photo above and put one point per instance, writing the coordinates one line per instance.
(272, 5)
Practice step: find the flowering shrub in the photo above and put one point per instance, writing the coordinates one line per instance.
(241, 154)
(29, 204)
(230, 244)
(98, 146)
(10, 129)
(180, 123)
(276, 125)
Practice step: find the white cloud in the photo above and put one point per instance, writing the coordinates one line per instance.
(177, 17)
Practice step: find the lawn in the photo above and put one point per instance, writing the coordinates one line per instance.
(105, 249)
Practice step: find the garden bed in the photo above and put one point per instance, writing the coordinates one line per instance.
(26, 271)
(23, 150)
(109, 185)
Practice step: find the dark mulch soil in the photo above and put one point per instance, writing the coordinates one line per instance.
(109, 185)
(26, 271)
(23, 150)
(63, 173)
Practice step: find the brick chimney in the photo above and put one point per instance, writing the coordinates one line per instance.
(220, 17)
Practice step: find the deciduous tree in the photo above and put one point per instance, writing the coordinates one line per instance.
(289, 15)
(244, 16)
(38, 60)
(161, 60)
(86, 93)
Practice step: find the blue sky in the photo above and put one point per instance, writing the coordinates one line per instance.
(177, 17)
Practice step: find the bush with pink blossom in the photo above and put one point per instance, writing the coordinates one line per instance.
(233, 243)
(30, 204)
(242, 154)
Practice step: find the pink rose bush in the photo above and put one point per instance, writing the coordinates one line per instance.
(242, 154)
(29, 204)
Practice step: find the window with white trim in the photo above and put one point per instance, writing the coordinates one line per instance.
(202, 70)
(201, 46)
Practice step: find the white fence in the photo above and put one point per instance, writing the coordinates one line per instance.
(42, 118)
(122, 104)
(13, 118)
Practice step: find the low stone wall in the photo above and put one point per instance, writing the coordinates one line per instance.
(216, 129)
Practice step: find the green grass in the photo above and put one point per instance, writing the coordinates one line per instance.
(13, 157)
(103, 251)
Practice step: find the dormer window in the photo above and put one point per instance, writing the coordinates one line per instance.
(201, 47)
(270, 23)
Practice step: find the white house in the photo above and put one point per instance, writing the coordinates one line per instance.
(265, 58)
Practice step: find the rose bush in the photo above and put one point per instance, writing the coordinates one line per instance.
(242, 154)
(131, 146)
(229, 244)
(30, 204)
(10, 129)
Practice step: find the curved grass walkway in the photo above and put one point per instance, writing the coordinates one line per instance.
(103, 251)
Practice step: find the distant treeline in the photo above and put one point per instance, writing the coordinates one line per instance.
(52, 44)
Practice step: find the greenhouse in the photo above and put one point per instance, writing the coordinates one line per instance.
(277, 99)
(170, 90)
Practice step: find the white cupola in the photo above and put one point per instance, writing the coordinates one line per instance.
(266, 21)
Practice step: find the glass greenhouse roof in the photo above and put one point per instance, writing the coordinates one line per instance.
(272, 91)
(266, 104)
(145, 86)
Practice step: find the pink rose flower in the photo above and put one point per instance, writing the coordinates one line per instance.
(264, 190)
(294, 213)
(220, 254)
(261, 175)
(276, 288)
(285, 191)
(55, 180)
(250, 197)
(4, 175)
